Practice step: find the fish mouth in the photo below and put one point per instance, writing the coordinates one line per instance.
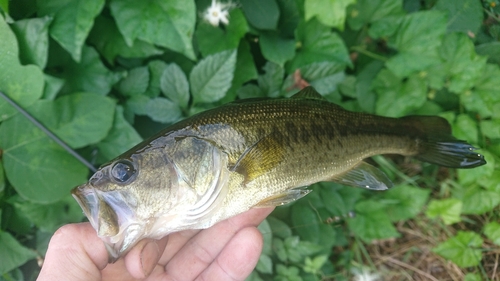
(111, 217)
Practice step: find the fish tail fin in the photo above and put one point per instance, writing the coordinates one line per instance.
(436, 144)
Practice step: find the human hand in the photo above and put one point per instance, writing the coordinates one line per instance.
(228, 250)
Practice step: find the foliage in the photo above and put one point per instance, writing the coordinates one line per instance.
(102, 75)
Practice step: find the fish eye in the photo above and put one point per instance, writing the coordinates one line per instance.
(123, 171)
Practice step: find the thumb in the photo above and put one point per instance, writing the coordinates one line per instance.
(74, 253)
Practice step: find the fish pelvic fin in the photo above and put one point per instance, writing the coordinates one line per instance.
(286, 197)
(364, 175)
(437, 146)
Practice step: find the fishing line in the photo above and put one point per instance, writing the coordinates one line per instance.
(48, 132)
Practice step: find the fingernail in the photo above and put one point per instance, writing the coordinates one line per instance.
(149, 257)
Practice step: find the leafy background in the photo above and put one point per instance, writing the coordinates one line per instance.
(102, 75)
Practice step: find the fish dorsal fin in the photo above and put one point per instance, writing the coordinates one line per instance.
(260, 158)
(286, 197)
(308, 93)
(366, 176)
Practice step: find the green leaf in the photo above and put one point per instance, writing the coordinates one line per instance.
(492, 182)
(23, 84)
(245, 70)
(156, 69)
(408, 202)
(279, 228)
(419, 33)
(49, 217)
(463, 66)
(465, 128)
(490, 128)
(213, 40)
(71, 115)
(287, 273)
(163, 110)
(397, 98)
(72, 21)
(314, 265)
(211, 77)
(289, 17)
(254, 276)
(318, 43)
(166, 23)
(52, 87)
(33, 38)
(385, 27)
(371, 222)
(329, 12)
(417, 40)
(348, 86)
(279, 249)
(263, 14)
(267, 234)
(13, 253)
(365, 95)
(270, 82)
(463, 249)
(484, 98)
(276, 48)
(4, 5)
(90, 75)
(250, 91)
(108, 40)
(265, 264)
(325, 76)
(135, 83)
(38, 168)
(306, 222)
(472, 277)
(492, 231)
(491, 50)
(174, 85)
(121, 137)
(339, 200)
(463, 15)
(447, 209)
(477, 201)
(2, 183)
(369, 11)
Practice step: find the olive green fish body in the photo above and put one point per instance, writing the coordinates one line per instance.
(258, 152)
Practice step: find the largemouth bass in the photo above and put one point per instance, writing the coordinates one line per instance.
(251, 153)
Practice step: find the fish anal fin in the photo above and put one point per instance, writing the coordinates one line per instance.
(308, 93)
(283, 198)
(366, 176)
(260, 158)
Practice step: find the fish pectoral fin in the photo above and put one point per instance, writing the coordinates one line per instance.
(366, 176)
(260, 158)
(283, 198)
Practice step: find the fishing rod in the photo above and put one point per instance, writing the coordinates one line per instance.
(48, 132)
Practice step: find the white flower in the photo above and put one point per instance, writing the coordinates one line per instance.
(365, 275)
(217, 12)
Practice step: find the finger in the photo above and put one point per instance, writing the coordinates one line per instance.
(144, 256)
(175, 242)
(202, 249)
(74, 253)
(237, 260)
